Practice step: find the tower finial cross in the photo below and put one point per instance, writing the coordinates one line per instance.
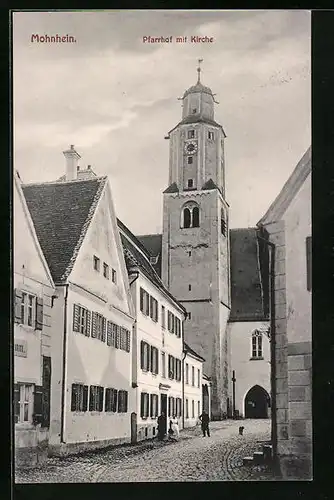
(199, 70)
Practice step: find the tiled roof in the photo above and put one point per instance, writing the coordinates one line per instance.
(249, 292)
(172, 188)
(191, 351)
(61, 213)
(209, 185)
(137, 255)
(197, 119)
(153, 243)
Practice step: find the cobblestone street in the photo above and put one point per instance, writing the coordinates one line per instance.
(193, 458)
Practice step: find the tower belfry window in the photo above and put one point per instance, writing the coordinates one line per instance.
(194, 111)
(211, 136)
(191, 134)
(190, 183)
(190, 160)
(190, 216)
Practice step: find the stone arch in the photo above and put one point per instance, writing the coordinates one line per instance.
(256, 402)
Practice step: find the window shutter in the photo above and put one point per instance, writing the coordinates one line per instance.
(118, 337)
(169, 405)
(38, 405)
(151, 405)
(76, 317)
(39, 313)
(151, 299)
(156, 361)
(142, 403)
(309, 263)
(103, 329)
(125, 408)
(127, 341)
(142, 300)
(17, 306)
(151, 355)
(108, 333)
(101, 393)
(91, 402)
(74, 397)
(142, 354)
(87, 331)
(114, 400)
(94, 325)
(46, 390)
(85, 398)
(16, 402)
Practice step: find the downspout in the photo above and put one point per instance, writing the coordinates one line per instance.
(134, 379)
(184, 354)
(63, 385)
(272, 346)
(183, 358)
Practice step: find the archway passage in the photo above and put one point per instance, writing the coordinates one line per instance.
(257, 402)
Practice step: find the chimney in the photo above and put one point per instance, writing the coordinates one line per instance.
(72, 158)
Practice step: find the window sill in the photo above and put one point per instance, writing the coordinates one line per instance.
(256, 359)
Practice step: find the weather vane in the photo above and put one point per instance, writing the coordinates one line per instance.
(199, 70)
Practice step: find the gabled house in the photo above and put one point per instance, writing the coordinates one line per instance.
(33, 333)
(158, 338)
(93, 311)
(288, 226)
(193, 392)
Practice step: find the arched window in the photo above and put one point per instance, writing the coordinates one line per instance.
(257, 351)
(190, 215)
(186, 217)
(195, 217)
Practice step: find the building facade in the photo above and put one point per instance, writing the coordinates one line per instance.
(248, 326)
(91, 393)
(289, 226)
(193, 392)
(158, 334)
(33, 297)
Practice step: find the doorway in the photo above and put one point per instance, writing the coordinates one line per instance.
(163, 408)
(257, 402)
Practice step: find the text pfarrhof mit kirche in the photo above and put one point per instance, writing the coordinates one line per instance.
(178, 39)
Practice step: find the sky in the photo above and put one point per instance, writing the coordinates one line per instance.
(115, 98)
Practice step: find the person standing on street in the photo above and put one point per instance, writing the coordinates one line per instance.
(204, 418)
(161, 426)
(175, 428)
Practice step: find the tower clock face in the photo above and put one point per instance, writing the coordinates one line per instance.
(191, 147)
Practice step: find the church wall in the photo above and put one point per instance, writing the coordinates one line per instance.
(248, 372)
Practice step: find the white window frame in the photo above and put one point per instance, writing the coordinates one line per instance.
(26, 306)
(257, 345)
(25, 402)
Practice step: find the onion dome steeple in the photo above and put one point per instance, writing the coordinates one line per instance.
(198, 100)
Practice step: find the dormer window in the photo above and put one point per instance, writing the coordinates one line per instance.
(190, 160)
(191, 134)
(190, 215)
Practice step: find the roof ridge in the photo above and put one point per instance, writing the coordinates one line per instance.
(84, 228)
(101, 178)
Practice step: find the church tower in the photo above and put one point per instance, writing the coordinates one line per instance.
(195, 243)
